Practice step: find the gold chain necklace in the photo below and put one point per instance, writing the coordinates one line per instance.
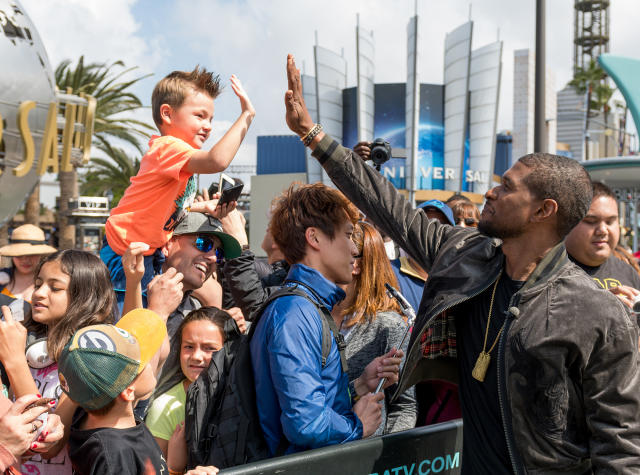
(484, 358)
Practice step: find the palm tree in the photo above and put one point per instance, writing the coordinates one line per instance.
(113, 101)
(104, 175)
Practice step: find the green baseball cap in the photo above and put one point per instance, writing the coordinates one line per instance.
(101, 361)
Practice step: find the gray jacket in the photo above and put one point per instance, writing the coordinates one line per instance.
(568, 359)
(368, 340)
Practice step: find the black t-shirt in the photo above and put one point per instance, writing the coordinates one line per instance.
(484, 443)
(612, 273)
(107, 451)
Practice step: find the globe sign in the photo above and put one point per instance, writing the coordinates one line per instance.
(26, 78)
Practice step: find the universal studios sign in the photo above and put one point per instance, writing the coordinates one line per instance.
(41, 129)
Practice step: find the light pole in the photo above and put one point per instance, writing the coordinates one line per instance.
(539, 134)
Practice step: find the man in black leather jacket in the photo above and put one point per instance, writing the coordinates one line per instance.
(559, 391)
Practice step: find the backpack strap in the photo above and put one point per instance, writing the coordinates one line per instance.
(327, 324)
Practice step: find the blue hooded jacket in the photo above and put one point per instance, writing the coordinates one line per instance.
(295, 395)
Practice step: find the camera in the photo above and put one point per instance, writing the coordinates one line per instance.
(380, 152)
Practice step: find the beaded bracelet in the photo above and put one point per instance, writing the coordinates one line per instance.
(309, 136)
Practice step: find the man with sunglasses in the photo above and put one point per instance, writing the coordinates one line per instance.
(197, 246)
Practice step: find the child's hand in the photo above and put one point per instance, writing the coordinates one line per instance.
(212, 208)
(238, 316)
(177, 450)
(133, 261)
(245, 102)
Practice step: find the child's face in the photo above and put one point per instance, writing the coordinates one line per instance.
(50, 298)
(191, 121)
(200, 339)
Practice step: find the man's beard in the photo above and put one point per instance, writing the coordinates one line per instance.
(499, 231)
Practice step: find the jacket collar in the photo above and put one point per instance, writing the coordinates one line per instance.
(316, 284)
(546, 268)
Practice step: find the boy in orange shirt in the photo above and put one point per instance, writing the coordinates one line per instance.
(164, 189)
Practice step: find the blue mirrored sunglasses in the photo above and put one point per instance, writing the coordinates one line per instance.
(205, 244)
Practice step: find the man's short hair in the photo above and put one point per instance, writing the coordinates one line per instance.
(600, 189)
(173, 89)
(306, 206)
(563, 180)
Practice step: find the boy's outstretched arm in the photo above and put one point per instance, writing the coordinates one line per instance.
(219, 157)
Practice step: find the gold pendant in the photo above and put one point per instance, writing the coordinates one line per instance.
(482, 364)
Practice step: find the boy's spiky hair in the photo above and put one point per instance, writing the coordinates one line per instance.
(173, 89)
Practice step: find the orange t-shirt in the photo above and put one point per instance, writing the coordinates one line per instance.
(157, 198)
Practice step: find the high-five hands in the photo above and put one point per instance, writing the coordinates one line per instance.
(297, 115)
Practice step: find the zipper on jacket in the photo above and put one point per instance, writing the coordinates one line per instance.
(507, 433)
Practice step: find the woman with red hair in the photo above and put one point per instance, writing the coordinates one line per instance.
(369, 321)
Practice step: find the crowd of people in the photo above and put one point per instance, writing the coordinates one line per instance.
(524, 324)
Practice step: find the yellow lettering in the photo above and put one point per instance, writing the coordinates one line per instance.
(67, 136)
(88, 117)
(49, 150)
(29, 149)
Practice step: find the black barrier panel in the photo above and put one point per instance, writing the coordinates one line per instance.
(435, 449)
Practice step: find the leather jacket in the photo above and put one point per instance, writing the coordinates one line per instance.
(568, 360)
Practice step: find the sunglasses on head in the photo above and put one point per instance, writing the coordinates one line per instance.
(205, 244)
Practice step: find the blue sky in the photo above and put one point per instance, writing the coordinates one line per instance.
(251, 39)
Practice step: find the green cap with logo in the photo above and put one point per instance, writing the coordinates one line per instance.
(200, 223)
(101, 361)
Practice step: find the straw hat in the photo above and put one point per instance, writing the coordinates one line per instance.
(26, 240)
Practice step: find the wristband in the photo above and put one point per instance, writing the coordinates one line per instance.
(309, 136)
(176, 472)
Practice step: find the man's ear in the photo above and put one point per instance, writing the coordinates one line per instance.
(167, 247)
(546, 210)
(129, 394)
(311, 236)
(165, 114)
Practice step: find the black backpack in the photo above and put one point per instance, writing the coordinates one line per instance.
(222, 427)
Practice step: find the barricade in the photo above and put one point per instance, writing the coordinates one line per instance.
(435, 449)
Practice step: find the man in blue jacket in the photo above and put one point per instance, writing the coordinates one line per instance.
(303, 403)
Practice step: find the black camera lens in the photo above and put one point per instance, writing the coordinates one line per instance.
(380, 152)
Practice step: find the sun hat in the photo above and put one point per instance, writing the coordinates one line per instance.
(439, 206)
(101, 361)
(200, 223)
(26, 240)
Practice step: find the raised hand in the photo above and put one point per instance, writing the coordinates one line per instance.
(133, 261)
(13, 339)
(234, 224)
(297, 115)
(209, 205)
(363, 150)
(245, 102)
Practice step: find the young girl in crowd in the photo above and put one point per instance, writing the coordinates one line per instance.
(26, 246)
(369, 321)
(72, 290)
(201, 334)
